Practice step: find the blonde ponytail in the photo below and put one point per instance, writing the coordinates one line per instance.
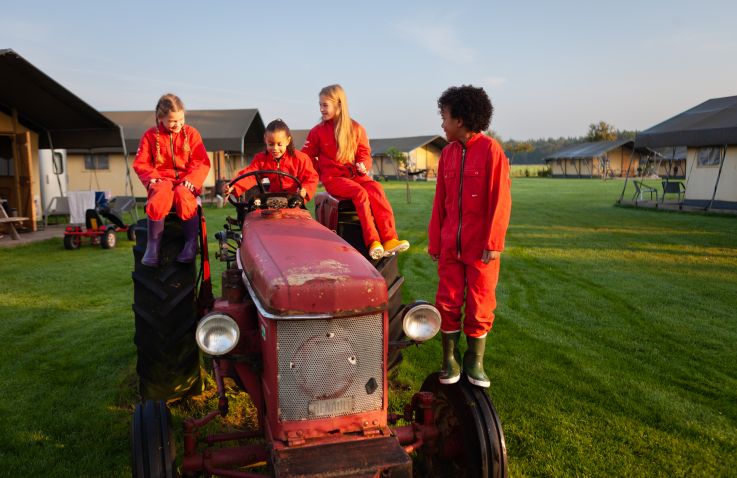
(344, 132)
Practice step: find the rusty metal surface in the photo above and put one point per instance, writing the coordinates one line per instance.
(298, 267)
(375, 457)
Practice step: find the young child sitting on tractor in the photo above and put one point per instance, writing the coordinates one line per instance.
(172, 164)
(279, 155)
(343, 158)
(469, 220)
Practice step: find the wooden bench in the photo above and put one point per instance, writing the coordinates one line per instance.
(10, 221)
(641, 189)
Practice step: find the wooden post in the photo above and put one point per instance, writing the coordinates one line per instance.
(31, 179)
(16, 164)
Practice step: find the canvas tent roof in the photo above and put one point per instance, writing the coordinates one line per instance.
(589, 150)
(221, 130)
(380, 146)
(44, 106)
(712, 123)
(299, 136)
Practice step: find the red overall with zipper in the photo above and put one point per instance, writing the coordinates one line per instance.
(173, 158)
(344, 181)
(470, 214)
(298, 165)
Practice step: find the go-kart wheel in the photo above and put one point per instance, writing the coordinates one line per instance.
(153, 450)
(108, 240)
(471, 441)
(72, 242)
(131, 232)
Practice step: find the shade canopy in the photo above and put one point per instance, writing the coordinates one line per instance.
(712, 123)
(49, 109)
(221, 130)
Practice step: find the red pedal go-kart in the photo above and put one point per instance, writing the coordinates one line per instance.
(309, 327)
(98, 230)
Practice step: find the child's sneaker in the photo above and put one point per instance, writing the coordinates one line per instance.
(392, 246)
(376, 251)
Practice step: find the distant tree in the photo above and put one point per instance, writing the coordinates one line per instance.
(513, 147)
(601, 131)
(395, 155)
(493, 134)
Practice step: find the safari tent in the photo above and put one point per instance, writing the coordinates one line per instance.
(230, 137)
(594, 160)
(422, 153)
(37, 113)
(709, 132)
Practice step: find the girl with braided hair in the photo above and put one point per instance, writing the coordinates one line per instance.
(172, 164)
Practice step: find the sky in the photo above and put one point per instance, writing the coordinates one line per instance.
(550, 68)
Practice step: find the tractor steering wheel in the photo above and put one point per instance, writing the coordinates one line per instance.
(263, 199)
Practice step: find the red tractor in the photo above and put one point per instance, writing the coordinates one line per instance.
(309, 327)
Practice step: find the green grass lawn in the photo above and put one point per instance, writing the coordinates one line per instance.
(613, 351)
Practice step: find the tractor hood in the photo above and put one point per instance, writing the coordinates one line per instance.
(297, 267)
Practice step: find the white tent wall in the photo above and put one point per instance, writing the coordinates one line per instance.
(700, 180)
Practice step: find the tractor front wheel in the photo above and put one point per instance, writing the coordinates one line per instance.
(108, 239)
(153, 450)
(470, 438)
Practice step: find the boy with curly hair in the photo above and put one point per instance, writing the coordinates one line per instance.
(469, 220)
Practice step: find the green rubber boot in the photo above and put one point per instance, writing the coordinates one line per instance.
(473, 361)
(451, 371)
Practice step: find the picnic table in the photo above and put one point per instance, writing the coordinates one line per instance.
(10, 222)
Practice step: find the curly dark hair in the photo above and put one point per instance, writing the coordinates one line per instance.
(468, 103)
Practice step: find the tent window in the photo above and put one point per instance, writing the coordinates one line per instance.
(709, 157)
(6, 157)
(96, 162)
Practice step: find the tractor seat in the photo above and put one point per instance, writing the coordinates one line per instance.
(340, 216)
(328, 210)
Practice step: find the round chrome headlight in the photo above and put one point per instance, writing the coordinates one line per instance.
(421, 321)
(217, 334)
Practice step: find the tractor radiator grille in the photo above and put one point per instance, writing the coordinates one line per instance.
(330, 367)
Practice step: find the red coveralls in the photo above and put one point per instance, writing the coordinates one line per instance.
(298, 165)
(470, 213)
(191, 164)
(342, 181)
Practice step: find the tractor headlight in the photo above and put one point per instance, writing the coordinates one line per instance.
(217, 334)
(421, 321)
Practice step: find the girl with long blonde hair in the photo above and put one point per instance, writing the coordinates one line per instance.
(340, 148)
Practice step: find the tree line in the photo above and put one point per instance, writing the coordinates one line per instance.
(534, 151)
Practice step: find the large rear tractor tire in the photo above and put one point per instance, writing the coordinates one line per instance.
(166, 317)
(153, 450)
(471, 441)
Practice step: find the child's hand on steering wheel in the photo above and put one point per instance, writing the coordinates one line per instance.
(227, 190)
